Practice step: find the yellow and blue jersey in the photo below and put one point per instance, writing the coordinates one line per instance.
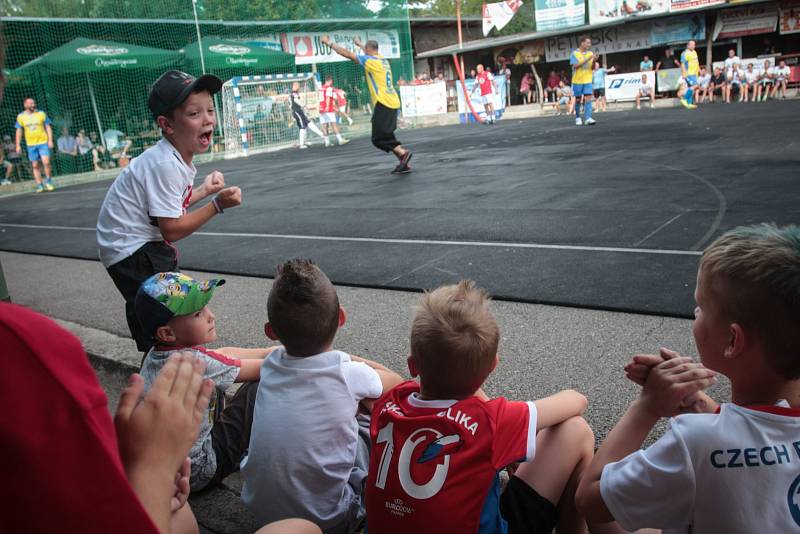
(33, 124)
(690, 62)
(379, 80)
(582, 74)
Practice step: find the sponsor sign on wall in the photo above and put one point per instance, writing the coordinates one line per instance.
(745, 20)
(789, 21)
(557, 14)
(685, 5)
(624, 87)
(601, 11)
(307, 47)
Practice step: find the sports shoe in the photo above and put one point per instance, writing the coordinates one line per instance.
(344, 141)
(692, 106)
(590, 121)
(349, 121)
(578, 121)
(49, 185)
(402, 167)
(39, 188)
(303, 146)
(6, 181)
(685, 104)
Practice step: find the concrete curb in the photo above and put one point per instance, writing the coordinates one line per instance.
(219, 510)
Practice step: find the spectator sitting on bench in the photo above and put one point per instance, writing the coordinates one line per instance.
(67, 155)
(645, 91)
(718, 83)
(101, 158)
(117, 144)
(8, 166)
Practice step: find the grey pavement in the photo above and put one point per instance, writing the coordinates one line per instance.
(543, 348)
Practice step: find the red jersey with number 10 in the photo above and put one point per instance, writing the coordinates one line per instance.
(434, 464)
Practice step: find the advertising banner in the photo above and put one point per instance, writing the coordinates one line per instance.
(557, 14)
(477, 102)
(623, 87)
(601, 11)
(789, 17)
(676, 6)
(745, 20)
(667, 80)
(307, 47)
(425, 99)
(633, 36)
(270, 41)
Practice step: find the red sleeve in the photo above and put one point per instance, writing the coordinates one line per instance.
(65, 472)
(514, 437)
(235, 362)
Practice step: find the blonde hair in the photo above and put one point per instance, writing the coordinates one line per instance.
(754, 276)
(454, 340)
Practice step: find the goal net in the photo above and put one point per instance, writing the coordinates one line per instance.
(257, 111)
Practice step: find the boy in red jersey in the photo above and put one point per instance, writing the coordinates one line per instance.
(439, 444)
(327, 111)
(484, 81)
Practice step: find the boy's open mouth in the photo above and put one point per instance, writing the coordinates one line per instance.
(205, 137)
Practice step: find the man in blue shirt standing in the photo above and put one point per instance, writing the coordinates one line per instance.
(599, 84)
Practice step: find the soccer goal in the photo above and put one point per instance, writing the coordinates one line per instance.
(257, 112)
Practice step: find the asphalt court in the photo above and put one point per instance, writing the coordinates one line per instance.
(611, 216)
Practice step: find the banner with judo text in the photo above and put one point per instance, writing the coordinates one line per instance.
(422, 100)
(308, 48)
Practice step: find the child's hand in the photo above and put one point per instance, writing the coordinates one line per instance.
(641, 364)
(157, 433)
(214, 182)
(229, 197)
(181, 486)
(671, 382)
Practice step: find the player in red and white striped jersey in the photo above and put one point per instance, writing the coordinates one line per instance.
(327, 111)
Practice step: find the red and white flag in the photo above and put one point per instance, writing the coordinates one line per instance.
(498, 14)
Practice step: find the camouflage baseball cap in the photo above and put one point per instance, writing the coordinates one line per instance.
(166, 295)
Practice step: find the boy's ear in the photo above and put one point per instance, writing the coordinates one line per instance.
(342, 317)
(270, 333)
(165, 124)
(165, 334)
(737, 341)
(412, 366)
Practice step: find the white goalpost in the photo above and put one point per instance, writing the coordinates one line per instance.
(257, 111)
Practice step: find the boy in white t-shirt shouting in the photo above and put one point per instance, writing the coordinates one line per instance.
(720, 468)
(145, 210)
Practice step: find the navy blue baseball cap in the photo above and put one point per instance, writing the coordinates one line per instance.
(174, 86)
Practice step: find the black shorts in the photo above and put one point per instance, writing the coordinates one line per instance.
(128, 274)
(301, 119)
(384, 123)
(525, 510)
(599, 92)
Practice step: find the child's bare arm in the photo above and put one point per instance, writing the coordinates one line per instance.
(389, 378)
(245, 354)
(250, 370)
(213, 183)
(667, 385)
(559, 407)
(176, 229)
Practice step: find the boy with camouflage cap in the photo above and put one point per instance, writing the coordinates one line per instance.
(173, 310)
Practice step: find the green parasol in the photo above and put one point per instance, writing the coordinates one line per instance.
(220, 54)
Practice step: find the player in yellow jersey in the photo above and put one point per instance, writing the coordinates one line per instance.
(384, 98)
(690, 68)
(581, 61)
(38, 140)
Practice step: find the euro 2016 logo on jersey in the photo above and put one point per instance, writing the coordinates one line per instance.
(794, 500)
(423, 462)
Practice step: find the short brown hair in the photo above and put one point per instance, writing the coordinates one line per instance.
(303, 308)
(454, 339)
(584, 38)
(753, 273)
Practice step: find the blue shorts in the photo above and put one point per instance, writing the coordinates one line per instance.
(580, 89)
(691, 81)
(36, 152)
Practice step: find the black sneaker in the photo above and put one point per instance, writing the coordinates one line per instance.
(403, 167)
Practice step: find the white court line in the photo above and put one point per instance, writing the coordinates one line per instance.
(491, 244)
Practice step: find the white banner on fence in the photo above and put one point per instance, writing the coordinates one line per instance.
(622, 87)
(425, 99)
(499, 100)
(308, 48)
(745, 20)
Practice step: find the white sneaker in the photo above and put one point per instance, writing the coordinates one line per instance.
(5, 182)
(303, 146)
(590, 121)
(578, 121)
(343, 141)
(350, 121)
